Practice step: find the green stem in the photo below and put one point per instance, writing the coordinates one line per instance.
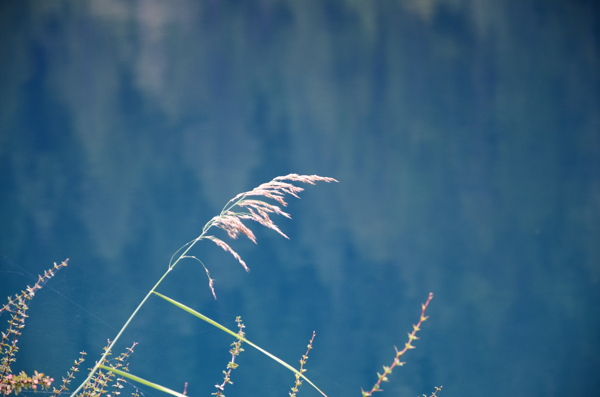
(230, 204)
(112, 344)
(143, 381)
(230, 332)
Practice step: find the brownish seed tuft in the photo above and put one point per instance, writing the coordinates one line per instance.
(256, 210)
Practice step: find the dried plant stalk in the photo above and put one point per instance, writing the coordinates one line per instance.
(399, 353)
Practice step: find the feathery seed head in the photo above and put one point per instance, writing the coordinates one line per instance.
(257, 210)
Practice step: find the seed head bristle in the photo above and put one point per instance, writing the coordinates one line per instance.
(227, 248)
(311, 179)
(266, 222)
(231, 223)
(278, 188)
(262, 208)
(268, 193)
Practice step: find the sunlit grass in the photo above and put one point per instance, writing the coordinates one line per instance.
(108, 375)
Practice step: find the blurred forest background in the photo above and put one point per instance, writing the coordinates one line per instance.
(465, 135)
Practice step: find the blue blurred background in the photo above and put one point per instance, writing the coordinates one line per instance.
(465, 135)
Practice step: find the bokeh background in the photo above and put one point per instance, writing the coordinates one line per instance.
(465, 135)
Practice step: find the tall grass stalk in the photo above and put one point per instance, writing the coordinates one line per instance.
(231, 221)
(244, 206)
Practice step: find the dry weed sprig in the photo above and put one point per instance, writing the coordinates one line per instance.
(122, 364)
(434, 394)
(407, 346)
(17, 307)
(70, 375)
(30, 291)
(100, 381)
(302, 370)
(235, 351)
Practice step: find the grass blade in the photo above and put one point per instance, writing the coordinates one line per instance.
(142, 381)
(225, 329)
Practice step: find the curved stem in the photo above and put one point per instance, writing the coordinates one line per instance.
(112, 344)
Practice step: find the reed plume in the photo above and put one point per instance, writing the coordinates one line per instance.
(249, 208)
